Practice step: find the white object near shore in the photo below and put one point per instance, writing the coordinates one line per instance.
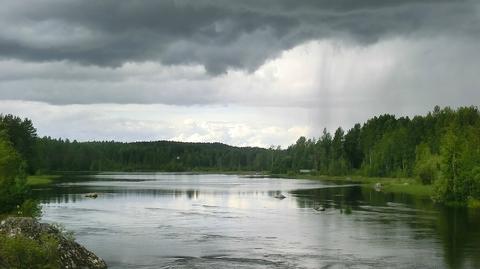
(91, 195)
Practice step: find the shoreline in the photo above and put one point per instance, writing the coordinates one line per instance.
(41, 180)
(409, 186)
(392, 185)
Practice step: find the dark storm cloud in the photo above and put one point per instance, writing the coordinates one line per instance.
(217, 34)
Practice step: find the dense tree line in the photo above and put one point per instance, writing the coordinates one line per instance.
(65, 155)
(441, 148)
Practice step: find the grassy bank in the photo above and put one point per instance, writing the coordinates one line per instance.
(473, 203)
(41, 180)
(394, 185)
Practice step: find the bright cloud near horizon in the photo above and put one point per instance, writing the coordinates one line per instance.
(246, 73)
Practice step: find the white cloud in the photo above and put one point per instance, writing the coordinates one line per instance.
(161, 122)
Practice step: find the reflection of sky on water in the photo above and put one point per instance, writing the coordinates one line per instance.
(219, 220)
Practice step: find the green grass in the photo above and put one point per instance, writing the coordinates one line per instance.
(41, 180)
(20, 251)
(473, 203)
(415, 188)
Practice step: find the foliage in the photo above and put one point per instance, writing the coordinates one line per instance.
(426, 164)
(21, 252)
(22, 135)
(63, 155)
(30, 208)
(17, 143)
(460, 152)
(12, 177)
(441, 148)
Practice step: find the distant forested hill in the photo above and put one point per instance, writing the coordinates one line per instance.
(63, 155)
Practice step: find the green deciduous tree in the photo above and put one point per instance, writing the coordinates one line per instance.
(427, 165)
(12, 176)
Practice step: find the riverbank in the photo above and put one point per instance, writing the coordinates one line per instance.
(27, 243)
(409, 186)
(393, 185)
(42, 180)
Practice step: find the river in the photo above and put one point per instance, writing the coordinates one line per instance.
(163, 220)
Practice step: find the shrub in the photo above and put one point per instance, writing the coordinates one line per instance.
(427, 164)
(12, 177)
(30, 208)
(21, 252)
(427, 172)
(475, 183)
(441, 192)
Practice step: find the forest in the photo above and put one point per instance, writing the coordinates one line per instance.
(441, 148)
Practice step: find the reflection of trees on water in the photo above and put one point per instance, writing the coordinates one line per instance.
(72, 194)
(77, 193)
(458, 229)
(338, 198)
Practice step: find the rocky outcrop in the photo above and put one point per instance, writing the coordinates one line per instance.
(72, 255)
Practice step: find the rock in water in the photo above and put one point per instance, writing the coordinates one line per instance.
(92, 195)
(280, 196)
(72, 255)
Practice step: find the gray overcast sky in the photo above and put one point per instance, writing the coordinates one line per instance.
(251, 72)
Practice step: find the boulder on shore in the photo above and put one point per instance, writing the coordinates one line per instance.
(72, 255)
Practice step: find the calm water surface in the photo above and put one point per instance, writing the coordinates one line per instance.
(158, 220)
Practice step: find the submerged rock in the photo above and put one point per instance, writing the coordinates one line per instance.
(280, 196)
(72, 255)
